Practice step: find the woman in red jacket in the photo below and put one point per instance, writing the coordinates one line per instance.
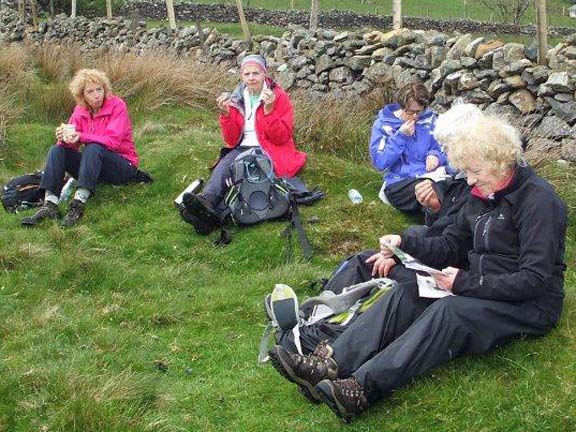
(258, 114)
(95, 146)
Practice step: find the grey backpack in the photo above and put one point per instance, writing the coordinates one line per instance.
(255, 194)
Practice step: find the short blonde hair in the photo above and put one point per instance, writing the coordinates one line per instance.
(467, 135)
(85, 76)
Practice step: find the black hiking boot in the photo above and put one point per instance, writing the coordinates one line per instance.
(75, 213)
(200, 205)
(305, 371)
(200, 226)
(141, 177)
(49, 210)
(345, 397)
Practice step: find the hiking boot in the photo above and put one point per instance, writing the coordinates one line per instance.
(200, 205)
(141, 177)
(200, 226)
(75, 213)
(49, 210)
(305, 371)
(345, 397)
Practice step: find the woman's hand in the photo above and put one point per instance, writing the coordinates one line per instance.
(390, 239)
(426, 195)
(224, 103)
(408, 127)
(269, 99)
(446, 279)
(381, 265)
(71, 138)
(432, 162)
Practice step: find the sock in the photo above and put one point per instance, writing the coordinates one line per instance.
(49, 196)
(81, 194)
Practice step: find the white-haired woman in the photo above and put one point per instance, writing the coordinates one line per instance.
(95, 146)
(512, 231)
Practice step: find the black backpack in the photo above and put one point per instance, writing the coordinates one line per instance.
(22, 192)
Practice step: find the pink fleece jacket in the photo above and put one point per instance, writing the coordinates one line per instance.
(111, 127)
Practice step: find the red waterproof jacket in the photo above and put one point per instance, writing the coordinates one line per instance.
(275, 131)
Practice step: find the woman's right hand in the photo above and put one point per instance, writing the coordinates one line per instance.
(381, 266)
(390, 239)
(408, 128)
(224, 102)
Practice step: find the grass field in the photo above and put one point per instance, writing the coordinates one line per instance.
(437, 9)
(131, 322)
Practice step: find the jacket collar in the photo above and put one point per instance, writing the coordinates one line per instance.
(521, 174)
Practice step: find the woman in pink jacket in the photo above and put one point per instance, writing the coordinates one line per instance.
(258, 114)
(95, 146)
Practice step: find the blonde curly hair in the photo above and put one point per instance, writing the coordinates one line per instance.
(85, 76)
(468, 135)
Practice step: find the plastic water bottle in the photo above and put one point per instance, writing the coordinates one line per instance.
(355, 196)
(67, 190)
(193, 187)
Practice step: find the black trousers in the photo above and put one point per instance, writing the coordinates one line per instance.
(403, 336)
(402, 195)
(95, 164)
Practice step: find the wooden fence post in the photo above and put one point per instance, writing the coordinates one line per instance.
(542, 31)
(397, 14)
(243, 22)
(73, 11)
(34, 11)
(109, 9)
(314, 12)
(171, 14)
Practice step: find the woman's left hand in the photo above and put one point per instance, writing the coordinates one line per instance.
(432, 163)
(269, 98)
(446, 279)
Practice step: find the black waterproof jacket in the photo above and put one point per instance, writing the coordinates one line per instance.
(514, 243)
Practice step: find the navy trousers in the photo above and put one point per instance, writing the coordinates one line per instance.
(95, 164)
(403, 336)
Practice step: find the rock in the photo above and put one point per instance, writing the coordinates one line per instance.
(552, 127)
(397, 38)
(368, 49)
(505, 111)
(523, 101)
(570, 52)
(324, 63)
(564, 97)
(342, 36)
(513, 52)
(486, 47)
(437, 55)
(540, 145)
(467, 82)
(497, 88)
(373, 37)
(565, 111)
(514, 82)
(485, 74)
(341, 74)
(286, 80)
(358, 63)
(569, 149)
(535, 75)
(515, 68)
(459, 47)
(470, 50)
(560, 82)
(378, 73)
(477, 96)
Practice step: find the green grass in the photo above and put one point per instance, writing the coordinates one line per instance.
(131, 322)
(437, 9)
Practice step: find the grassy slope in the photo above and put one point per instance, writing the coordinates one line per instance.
(91, 314)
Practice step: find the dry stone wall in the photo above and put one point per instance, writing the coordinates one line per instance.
(502, 78)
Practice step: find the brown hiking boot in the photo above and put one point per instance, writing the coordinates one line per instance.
(75, 213)
(49, 210)
(345, 397)
(305, 371)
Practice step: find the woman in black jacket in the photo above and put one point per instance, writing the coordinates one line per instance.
(511, 230)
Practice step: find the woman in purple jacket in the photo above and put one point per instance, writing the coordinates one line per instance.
(402, 146)
(95, 146)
